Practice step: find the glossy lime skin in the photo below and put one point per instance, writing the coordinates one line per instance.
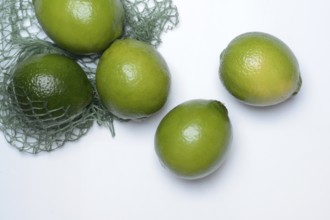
(50, 86)
(132, 79)
(259, 69)
(81, 26)
(193, 138)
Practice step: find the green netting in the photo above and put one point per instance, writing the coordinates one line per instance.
(21, 37)
(146, 20)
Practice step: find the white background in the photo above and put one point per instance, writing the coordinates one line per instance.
(279, 163)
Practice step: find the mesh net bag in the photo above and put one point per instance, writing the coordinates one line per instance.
(21, 37)
(146, 20)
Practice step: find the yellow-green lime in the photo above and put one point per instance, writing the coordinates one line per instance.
(132, 79)
(193, 138)
(81, 26)
(51, 86)
(259, 69)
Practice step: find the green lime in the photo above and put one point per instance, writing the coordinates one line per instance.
(81, 26)
(51, 86)
(259, 69)
(193, 138)
(132, 79)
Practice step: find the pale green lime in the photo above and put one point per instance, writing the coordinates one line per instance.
(259, 69)
(132, 79)
(81, 26)
(193, 138)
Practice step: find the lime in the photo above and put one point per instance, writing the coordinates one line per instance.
(132, 79)
(51, 86)
(259, 69)
(192, 139)
(81, 26)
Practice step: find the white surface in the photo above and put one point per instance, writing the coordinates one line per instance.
(279, 163)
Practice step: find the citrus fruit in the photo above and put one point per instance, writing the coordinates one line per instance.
(51, 86)
(259, 69)
(132, 79)
(81, 26)
(193, 138)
